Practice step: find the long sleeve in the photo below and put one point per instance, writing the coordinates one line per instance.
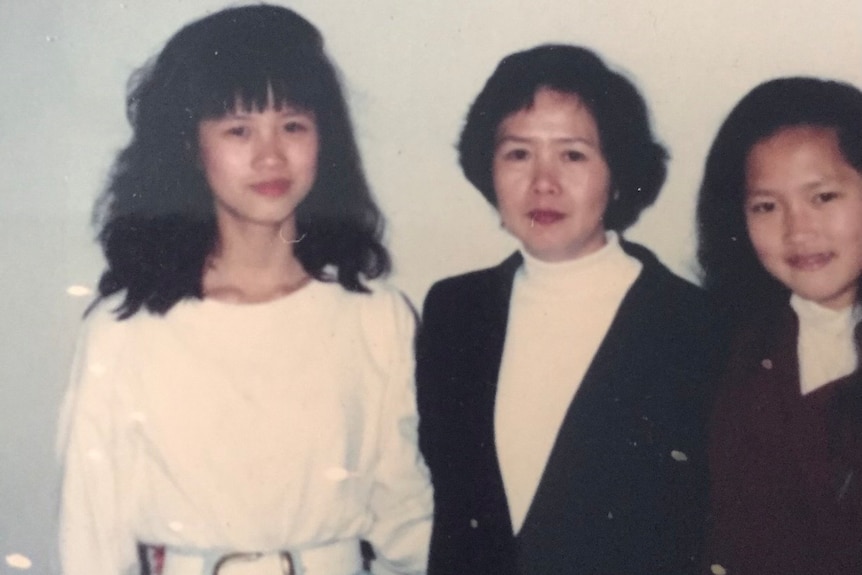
(288, 425)
(94, 539)
(401, 498)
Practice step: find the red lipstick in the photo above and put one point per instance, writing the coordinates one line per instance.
(545, 217)
(272, 188)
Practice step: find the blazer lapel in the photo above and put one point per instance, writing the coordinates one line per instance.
(493, 319)
(493, 323)
(592, 411)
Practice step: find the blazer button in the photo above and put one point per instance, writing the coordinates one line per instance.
(474, 524)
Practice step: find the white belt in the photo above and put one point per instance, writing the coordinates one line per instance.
(339, 558)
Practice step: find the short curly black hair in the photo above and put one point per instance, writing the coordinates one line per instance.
(731, 271)
(637, 162)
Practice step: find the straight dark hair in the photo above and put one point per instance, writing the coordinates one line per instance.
(156, 218)
(731, 271)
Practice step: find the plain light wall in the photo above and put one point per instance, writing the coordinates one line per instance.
(410, 70)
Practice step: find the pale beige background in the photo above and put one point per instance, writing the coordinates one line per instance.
(410, 68)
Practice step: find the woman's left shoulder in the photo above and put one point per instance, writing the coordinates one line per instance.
(677, 310)
(663, 283)
(383, 305)
(387, 324)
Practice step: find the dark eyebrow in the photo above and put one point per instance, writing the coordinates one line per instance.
(526, 140)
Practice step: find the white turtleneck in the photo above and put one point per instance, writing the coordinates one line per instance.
(826, 348)
(559, 314)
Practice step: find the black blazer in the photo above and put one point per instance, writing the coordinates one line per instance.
(624, 489)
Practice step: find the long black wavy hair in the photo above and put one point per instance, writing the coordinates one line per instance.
(637, 161)
(156, 218)
(731, 271)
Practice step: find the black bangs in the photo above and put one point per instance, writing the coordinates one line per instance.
(245, 57)
(253, 81)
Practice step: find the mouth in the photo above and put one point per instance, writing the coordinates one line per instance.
(810, 262)
(545, 217)
(272, 188)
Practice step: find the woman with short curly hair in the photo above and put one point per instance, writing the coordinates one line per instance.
(561, 392)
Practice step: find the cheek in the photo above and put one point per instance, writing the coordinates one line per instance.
(597, 202)
(213, 162)
(593, 185)
(208, 166)
(767, 244)
(506, 208)
(311, 152)
(600, 198)
(849, 234)
(500, 177)
(848, 224)
(506, 188)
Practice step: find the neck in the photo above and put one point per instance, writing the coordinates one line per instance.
(595, 275)
(253, 263)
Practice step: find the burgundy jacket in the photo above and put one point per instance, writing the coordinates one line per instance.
(786, 491)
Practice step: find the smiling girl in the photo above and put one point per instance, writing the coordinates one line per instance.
(780, 216)
(242, 396)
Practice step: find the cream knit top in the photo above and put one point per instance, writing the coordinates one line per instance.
(559, 314)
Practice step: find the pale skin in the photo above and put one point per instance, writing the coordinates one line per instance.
(260, 165)
(551, 179)
(804, 214)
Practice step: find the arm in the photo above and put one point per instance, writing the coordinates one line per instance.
(401, 499)
(94, 539)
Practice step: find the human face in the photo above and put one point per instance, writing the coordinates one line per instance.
(803, 210)
(551, 179)
(260, 165)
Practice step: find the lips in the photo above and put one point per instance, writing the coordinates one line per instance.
(545, 217)
(810, 262)
(272, 188)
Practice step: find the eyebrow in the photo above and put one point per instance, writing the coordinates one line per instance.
(526, 140)
(759, 192)
(808, 187)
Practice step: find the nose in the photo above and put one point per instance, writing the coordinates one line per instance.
(545, 176)
(799, 223)
(270, 150)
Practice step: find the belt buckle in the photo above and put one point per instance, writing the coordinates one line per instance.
(285, 561)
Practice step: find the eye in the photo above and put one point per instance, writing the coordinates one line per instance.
(574, 155)
(825, 197)
(237, 130)
(295, 126)
(515, 154)
(761, 207)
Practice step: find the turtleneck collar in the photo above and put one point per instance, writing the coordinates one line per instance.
(580, 277)
(826, 346)
(824, 317)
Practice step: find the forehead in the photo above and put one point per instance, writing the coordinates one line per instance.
(798, 159)
(795, 147)
(551, 109)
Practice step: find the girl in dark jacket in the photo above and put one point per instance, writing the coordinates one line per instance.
(780, 217)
